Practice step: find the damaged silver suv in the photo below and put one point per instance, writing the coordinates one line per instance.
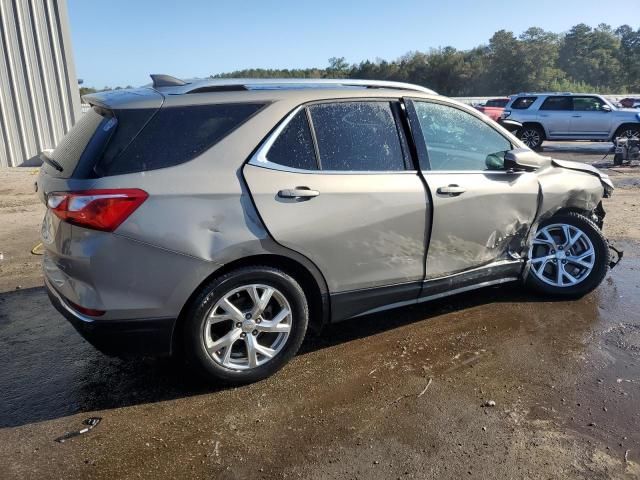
(222, 219)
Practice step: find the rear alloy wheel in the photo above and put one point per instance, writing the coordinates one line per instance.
(568, 256)
(246, 324)
(531, 136)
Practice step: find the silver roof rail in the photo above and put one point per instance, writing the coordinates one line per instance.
(230, 84)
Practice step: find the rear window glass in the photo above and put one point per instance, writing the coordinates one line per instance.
(294, 146)
(68, 152)
(496, 103)
(172, 136)
(357, 136)
(557, 103)
(522, 103)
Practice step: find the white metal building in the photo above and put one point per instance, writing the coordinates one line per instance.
(39, 98)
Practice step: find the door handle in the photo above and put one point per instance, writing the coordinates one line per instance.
(298, 192)
(451, 190)
(576, 116)
(544, 114)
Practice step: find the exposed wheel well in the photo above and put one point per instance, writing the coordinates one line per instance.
(625, 126)
(316, 295)
(534, 124)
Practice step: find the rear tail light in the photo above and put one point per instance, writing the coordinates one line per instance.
(86, 311)
(96, 209)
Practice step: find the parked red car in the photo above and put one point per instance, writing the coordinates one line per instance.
(493, 108)
(630, 102)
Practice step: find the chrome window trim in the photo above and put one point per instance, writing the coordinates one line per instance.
(259, 158)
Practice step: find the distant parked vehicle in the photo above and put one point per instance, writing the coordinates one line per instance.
(630, 102)
(569, 116)
(493, 108)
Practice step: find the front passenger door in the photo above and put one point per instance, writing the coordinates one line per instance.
(481, 213)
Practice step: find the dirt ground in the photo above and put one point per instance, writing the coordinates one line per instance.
(401, 394)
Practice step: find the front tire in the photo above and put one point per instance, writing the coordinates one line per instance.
(246, 325)
(568, 257)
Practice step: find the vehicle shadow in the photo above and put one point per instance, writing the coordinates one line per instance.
(49, 371)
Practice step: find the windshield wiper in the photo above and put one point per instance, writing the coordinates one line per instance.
(47, 159)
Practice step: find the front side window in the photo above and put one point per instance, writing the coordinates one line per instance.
(557, 104)
(457, 140)
(587, 104)
(357, 136)
(294, 146)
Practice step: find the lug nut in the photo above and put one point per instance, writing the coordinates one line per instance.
(553, 251)
(254, 333)
(248, 316)
(239, 325)
(258, 320)
(242, 335)
(564, 262)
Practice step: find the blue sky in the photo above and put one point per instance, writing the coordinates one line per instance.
(120, 42)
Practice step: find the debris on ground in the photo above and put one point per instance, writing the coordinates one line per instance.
(490, 403)
(89, 422)
(425, 388)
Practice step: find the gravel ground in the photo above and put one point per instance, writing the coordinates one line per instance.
(401, 394)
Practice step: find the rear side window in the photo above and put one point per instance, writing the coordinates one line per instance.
(172, 136)
(522, 103)
(357, 136)
(294, 146)
(557, 103)
(68, 152)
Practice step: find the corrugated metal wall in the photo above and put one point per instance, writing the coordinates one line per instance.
(39, 99)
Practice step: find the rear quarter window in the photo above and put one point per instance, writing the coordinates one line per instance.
(522, 103)
(69, 150)
(173, 135)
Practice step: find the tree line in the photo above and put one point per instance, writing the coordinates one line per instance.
(584, 59)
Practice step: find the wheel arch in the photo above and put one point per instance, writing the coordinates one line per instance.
(309, 277)
(537, 125)
(624, 126)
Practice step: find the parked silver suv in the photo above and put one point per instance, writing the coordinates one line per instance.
(222, 219)
(569, 116)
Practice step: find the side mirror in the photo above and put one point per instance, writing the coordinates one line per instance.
(606, 108)
(524, 159)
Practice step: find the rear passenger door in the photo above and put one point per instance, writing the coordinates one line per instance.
(555, 115)
(335, 182)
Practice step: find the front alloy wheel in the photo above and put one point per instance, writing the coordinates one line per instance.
(246, 324)
(568, 256)
(561, 255)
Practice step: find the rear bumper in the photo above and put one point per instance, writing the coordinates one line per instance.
(135, 337)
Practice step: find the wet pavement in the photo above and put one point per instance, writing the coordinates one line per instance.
(564, 376)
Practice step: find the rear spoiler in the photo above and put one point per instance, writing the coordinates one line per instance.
(162, 80)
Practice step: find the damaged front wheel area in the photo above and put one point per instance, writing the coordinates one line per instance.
(568, 257)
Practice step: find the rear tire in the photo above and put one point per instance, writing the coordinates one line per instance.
(532, 136)
(245, 325)
(569, 256)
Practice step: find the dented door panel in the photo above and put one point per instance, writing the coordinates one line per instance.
(489, 221)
